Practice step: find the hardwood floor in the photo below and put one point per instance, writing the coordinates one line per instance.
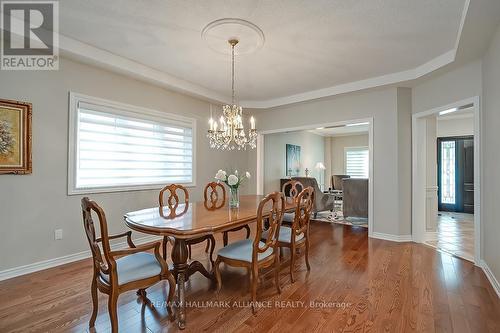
(455, 234)
(356, 284)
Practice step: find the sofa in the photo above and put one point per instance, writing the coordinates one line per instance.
(322, 201)
(337, 181)
(355, 197)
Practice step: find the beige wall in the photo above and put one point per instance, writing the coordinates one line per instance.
(404, 107)
(312, 151)
(491, 158)
(32, 206)
(455, 127)
(440, 89)
(338, 145)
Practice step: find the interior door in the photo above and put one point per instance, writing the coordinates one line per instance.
(456, 174)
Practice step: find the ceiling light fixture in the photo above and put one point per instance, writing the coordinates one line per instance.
(357, 124)
(229, 133)
(448, 111)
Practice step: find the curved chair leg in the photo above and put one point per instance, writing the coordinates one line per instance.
(292, 263)
(207, 247)
(164, 247)
(211, 242)
(277, 273)
(218, 278)
(225, 238)
(113, 315)
(307, 255)
(255, 280)
(247, 228)
(172, 284)
(95, 304)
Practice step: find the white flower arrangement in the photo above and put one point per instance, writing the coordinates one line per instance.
(233, 180)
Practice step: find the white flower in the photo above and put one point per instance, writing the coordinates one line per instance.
(221, 175)
(232, 180)
(247, 174)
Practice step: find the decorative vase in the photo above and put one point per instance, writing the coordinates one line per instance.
(234, 198)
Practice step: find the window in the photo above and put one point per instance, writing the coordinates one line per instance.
(118, 147)
(356, 162)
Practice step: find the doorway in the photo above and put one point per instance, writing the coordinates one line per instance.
(262, 187)
(455, 174)
(446, 211)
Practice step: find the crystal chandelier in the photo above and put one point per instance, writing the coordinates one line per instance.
(229, 133)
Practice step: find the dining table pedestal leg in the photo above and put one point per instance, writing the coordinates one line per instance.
(180, 256)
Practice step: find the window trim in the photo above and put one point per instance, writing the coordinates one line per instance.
(125, 110)
(358, 148)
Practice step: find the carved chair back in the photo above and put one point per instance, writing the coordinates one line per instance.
(305, 204)
(272, 205)
(291, 189)
(173, 201)
(101, 265)
(214, 199)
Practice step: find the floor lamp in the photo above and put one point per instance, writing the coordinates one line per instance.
(321, 168)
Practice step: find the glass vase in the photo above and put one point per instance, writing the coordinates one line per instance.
(234, 197)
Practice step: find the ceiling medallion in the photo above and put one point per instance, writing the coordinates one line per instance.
(217, 33)
(229, 133)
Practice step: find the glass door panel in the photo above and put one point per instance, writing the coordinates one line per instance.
(448, 195)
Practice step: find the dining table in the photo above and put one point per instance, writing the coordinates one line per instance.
(190, 221)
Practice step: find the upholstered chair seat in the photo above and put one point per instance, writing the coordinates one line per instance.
(288, 217)
(135, 267)
(242, 250)
(285, 235)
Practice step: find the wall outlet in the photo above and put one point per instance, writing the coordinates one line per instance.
(58, 234)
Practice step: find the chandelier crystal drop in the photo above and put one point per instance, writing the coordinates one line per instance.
(229, 133)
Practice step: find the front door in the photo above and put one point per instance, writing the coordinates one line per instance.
(456, 174)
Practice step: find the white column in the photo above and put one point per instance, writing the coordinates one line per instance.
(328, 162)
(431, 189)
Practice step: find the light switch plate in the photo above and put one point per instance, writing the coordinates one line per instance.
(58, 234)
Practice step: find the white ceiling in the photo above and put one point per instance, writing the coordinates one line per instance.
(312, 48)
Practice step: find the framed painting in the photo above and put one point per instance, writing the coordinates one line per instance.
(15, 137)
(292, 160)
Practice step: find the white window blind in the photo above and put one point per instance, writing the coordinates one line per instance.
(356, 162)
(116, 149)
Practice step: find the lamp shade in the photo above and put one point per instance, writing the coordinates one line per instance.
(320, 166)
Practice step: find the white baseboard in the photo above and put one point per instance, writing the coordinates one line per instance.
(390, 237)
(41, 265)
(431, 235)
(491, 277)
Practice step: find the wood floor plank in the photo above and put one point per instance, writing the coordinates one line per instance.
(374, 286)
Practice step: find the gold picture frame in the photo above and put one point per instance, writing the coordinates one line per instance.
(15, 137)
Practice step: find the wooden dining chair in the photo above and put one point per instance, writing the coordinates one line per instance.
(296, 236)
(215, 200)
(291, 190)
(256, 254)
(116, 272)
(173, 201)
